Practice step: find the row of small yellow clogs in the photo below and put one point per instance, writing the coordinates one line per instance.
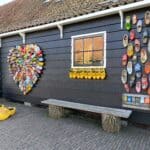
(88, 75)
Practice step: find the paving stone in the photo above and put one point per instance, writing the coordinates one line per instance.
(32, 129)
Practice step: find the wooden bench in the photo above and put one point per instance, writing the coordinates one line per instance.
(111, 117)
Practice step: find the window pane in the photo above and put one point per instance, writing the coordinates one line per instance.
(78, 45)
(87, 57)
(98, 43)
(89, 51)
(79, 58)
(88, 44)
(97, 55)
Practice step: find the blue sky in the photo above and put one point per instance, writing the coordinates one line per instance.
(2, 2)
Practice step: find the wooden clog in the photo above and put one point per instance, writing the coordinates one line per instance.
(124, 60)
(132, 35)
(147, 18)
(138, 86)
(129, 67)
(125, 40)
(124, 76)
(130, 50)
(145, 37)
(147, 68)
(134, 59)
(144, 81)
(127, 88)
(143, 55)
(132, 81)
(12, 110)
(138, 70)
(134, 19)
(6, 112)
(139, 26)
(137, 45)
(128, 23)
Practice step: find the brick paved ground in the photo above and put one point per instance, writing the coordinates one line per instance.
(31, 129)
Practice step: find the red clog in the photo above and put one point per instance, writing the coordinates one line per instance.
(144, 82)
(138, 86)
(132, 35)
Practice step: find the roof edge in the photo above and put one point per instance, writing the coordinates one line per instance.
(111, 11)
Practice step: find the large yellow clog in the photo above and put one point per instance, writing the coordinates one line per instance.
(1, 105)
(5, 112)
(12, 110)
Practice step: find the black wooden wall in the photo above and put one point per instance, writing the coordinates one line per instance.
(55, 82)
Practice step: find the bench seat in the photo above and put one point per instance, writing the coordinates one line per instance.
(91, 108)
(57, 108)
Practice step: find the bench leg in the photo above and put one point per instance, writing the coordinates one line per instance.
(57, 112)
(111, 123)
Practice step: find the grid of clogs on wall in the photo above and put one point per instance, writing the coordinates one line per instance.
(135, 75)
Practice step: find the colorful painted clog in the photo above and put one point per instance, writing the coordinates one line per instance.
(126, 87)
(129, 67)
(130, 50)
(125, 40)
(124, 60)
(132, 81)
(144, 81)
(124, 76)
(147, 18)
(137, 45)
(138, 86)
(134, 19)
(145, 36)
(134, 59)
(128, 23)
(132, 35)
(147, 68)
(139, 26)
(138, 70)
(143, 55)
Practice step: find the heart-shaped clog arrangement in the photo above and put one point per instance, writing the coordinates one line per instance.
(26, 64)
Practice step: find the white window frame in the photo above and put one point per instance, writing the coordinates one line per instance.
(104, 33)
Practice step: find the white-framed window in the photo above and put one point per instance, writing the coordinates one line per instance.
(89, 50)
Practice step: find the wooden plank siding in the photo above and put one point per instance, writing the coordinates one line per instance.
(55, 82)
